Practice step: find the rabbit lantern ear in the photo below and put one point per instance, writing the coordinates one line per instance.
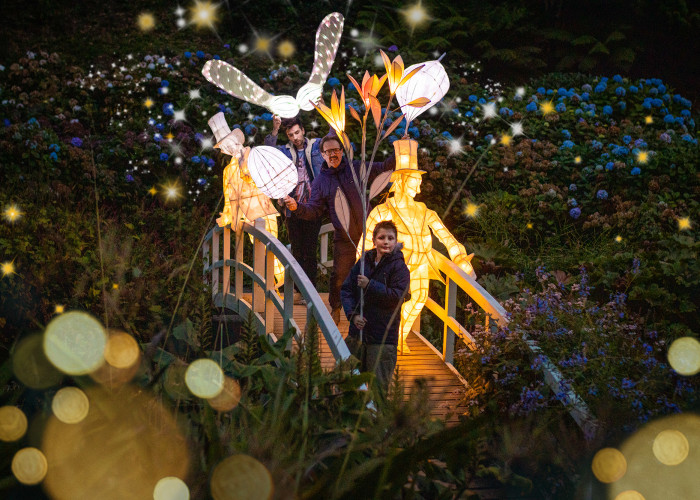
(233, 81)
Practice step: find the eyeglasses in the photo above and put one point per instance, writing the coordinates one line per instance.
(334, 151)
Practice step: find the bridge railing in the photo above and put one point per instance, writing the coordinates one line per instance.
(455, 278)
(224, 268)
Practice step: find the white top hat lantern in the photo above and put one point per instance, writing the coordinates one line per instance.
(230, 143)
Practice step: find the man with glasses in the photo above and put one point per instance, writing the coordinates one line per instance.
(305, 153)
(336, 173)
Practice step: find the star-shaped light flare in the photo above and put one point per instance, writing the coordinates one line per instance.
(203, 14)
(489, 110)
(471, 210)
(415, 15)
(7, 268)
(547, 107)
(195, 94)
(12, 213)
(684, 223)
(516, 128)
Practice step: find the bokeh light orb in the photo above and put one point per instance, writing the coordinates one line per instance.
(204, 378)
(670, 447)
(630, 495)
(241, 477)
(31, 366)
(127, 442)
(684, 356)
(122, 350)
(228, 398)
(609, 465)
(663, 459)
(29, 466)
(70, 405)
(171, 488)
(75, 342)
(13, 423)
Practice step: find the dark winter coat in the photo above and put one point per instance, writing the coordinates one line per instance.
(323, 191)
(388, 288)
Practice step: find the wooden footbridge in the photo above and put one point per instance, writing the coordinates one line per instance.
(274, 312)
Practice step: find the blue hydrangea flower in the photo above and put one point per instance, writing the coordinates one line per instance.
(597, 145)
(685, 113)
(609, 166)
(561, 107)
(473, 98)
(250, 129)
(566, 133)
(585, 96)
(481, 100)
(575, 212)
(668, 118)
(636, 171)
(164, 83)
(168, 109)
(217, 57)
(657, 103)
(620, 91)
(573, 187)
(200, 54)
(662, 87)
(393, 48)
(633, 89)
(567, 145)
(627, 139)
(210, 162)
(333, 81)
(600, 88)
(607, 110)
(586, 87)
(488, 138)
(602, 194)
(53, 156)
(201, 181)
(129, 178)
(195, 159)
(157, 137)
(76, 141)
(506, 112)
(623, 105)
(531, 107)
(469, 114)
(541, 90)
(447, 135)
(164, 157)
(54, 147)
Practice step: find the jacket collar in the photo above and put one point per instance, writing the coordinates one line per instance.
(331, 170)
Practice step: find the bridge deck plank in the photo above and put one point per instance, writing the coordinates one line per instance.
(445, 391)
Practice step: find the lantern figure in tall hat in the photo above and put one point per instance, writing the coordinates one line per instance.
(413, 219)
(243, 201)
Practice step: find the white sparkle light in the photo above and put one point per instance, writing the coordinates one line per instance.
(179, 115)
(517, 128)
(489, 110)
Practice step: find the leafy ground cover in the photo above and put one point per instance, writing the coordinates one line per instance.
(584, 225)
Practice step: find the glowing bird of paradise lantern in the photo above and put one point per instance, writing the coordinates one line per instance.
(430, 82)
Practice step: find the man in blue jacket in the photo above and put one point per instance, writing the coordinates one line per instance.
(337, 173)
(305, 153)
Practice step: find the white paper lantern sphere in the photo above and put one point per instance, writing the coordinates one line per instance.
(273, 173)
(431, 82)
(284, 105)
(309, 92)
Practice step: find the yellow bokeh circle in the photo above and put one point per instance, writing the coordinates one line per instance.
(75, 342)
(70, 405)
(670, 447)
(684, 356)
(31, 366)
(630, 495)
(204, 378)
(171, 488)
(241, 477)
(609, 465)
(122, 350)
(13, 423)
(29, 466)
(228, 398)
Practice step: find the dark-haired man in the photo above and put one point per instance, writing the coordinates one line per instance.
(305, 153)
(337, 173)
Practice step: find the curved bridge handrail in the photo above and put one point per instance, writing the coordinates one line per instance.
(265, 298)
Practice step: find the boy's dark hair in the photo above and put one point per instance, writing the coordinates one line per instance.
(327, 138)
(385, 224)
(288, 123)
